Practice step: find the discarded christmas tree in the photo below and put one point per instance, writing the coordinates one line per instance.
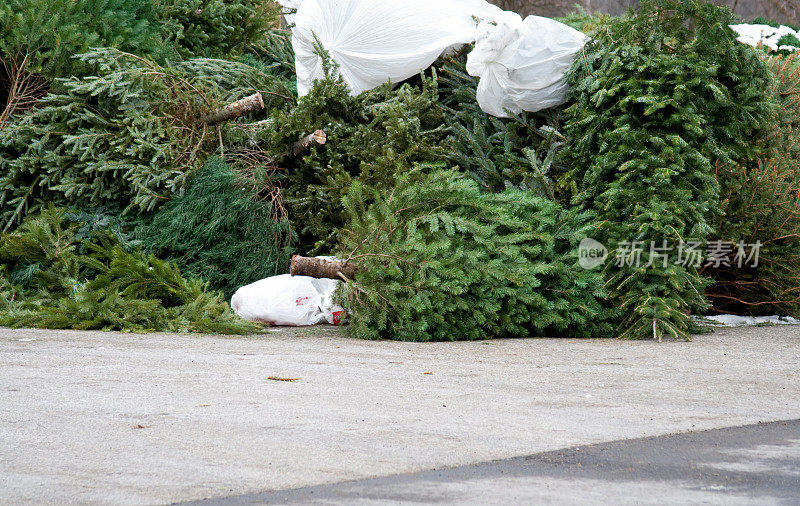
(227, 228)
(666, 102)
(499, 153)
(371, 137)
(438, 259)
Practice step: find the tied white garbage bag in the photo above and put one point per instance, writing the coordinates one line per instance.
(375, 41)
(288, 300)
(521, 64)
(522, 67)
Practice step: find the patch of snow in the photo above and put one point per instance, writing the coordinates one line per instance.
(730, 320)
(765, 34)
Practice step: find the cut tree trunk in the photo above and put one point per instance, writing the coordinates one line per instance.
(243, 107)
(322, 268)
(318, 138)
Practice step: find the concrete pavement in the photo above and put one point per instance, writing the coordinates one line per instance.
(91, 417)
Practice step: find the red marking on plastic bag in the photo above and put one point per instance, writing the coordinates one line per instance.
(337, 317)
(302, 301)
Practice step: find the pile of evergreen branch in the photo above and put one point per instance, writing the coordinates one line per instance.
(373, 137)
(52, 278)
(128, 135)
(674, 132)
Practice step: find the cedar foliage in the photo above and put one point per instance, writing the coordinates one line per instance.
(442, 260)
(51, 278)
(126, 136)
(372, 137)
(225, 229)
(662, 101)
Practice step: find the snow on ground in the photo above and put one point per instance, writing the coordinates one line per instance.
(765, 34)
(730, 320)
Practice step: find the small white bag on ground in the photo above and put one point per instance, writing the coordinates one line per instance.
(522, 67)
(288, 300)
(375, 41)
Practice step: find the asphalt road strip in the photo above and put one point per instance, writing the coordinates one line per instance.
(752, 464)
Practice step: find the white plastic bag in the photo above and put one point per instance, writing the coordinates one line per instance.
(521, 67)
(375, 41)
(288, 300)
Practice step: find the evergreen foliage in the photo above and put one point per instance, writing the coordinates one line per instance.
(761, 202)
(50, 32)
(517, 152)
(225, 229)
(674, 132)
(127, 136)
(442, 260)
(50, 278)
(372, 137)
(276, 50)
(663, 100)
(215, 28)
(582, 20)
(769, 22)
(40, 37)
(789, 40)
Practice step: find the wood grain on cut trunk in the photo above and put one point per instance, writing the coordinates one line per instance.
(322, 268)
(318, 138)
(243, 107)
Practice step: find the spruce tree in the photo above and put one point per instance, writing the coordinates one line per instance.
(372, 137)
(215, 28)
(499, 153)
(441, 260)
(663, 100)
(126, 136)
(40, 37)
(761, 204)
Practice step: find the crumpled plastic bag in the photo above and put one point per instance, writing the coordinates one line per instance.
(375, 41)
(521, 63)
(522, 67)
(288, 300)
